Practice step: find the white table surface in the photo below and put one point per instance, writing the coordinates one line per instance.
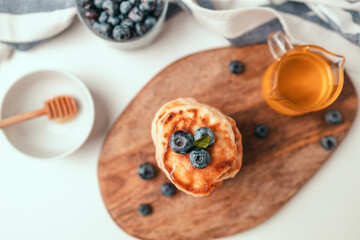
(61, 199)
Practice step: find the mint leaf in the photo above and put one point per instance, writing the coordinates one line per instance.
(202, 142)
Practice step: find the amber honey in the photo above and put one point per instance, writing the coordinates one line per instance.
(301, 81)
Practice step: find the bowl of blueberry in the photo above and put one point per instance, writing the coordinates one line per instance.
(124, 24)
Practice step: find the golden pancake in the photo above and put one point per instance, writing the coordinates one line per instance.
(226, 153)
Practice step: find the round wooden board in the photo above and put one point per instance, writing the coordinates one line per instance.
(274, 168)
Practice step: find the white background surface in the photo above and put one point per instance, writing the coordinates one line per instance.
(61, 200)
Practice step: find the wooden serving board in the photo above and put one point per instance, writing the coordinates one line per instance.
(274, 168)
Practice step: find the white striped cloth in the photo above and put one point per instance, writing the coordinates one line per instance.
(26, 23)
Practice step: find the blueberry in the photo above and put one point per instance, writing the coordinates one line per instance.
(91, 15)
(98, 3)
(128, 23)
(333, 117)
(146, 171)
(111, 7)
(328, 142)
(140, 28)
(199, 158)
(168, 190)
(113, 20)
(150, 22)
(145, 209)
(86, 5)
(125, 7)
(261, 131)
(134, 2)
(103, 17)
(202, 132)
(236, 67)
(159, 8)
(136, 15)
(104, 29)
(121, 33)
(181, 142)
(147, 5)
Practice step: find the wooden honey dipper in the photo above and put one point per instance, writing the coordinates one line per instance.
(60, 108)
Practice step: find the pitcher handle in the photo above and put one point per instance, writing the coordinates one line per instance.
(279, 44)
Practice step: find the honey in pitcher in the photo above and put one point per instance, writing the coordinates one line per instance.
(303, 81)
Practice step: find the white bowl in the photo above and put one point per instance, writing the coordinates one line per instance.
(41, 137)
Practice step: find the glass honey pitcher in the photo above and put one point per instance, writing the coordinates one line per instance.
(302, 79)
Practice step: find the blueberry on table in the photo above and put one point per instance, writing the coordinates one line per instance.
(127, 23)
(140, 29)
(125, 7)
(328, 142)
(103, 17)
(111, 7)
(136, 15)
(113, 20)
(181, 142)
(91, 15)
(168, 189)
(261, 131)
(150, 21)
(121, 33)
(98, 3)
(199, 133)
(333, 117)
(199, 158)
(144, 209)
(146, 171)
(236, 67)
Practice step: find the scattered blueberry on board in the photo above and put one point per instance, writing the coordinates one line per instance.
(168, 189)
(146, 171)
(236, 67)
(261, 131)
(144, 209)
(328, 142)
(121, 20)
(333, 117)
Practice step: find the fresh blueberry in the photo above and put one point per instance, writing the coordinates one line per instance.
(150, 22)
(113, 20)
(91, 15)
(146, 171)
(261, 131)
(103, 29)
(86, 5)
(134, 2)
(159, 8)
(136, 15)
(121, 33)
(127, 23)
(236, 67)
(333, 117)
(140, 28)
(103, 17)
(125, 7)
(168, 190)
(199, 158)
(147, 5)
(144, 209)
(111, 7)
(202, 132)
(328, 142)
(181, 142)
(98, 3)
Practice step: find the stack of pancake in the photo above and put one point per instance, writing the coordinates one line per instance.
(226, 154)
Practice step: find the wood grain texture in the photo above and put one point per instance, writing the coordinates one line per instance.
(274, 168)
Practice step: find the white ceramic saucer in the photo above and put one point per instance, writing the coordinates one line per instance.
(40, 137)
